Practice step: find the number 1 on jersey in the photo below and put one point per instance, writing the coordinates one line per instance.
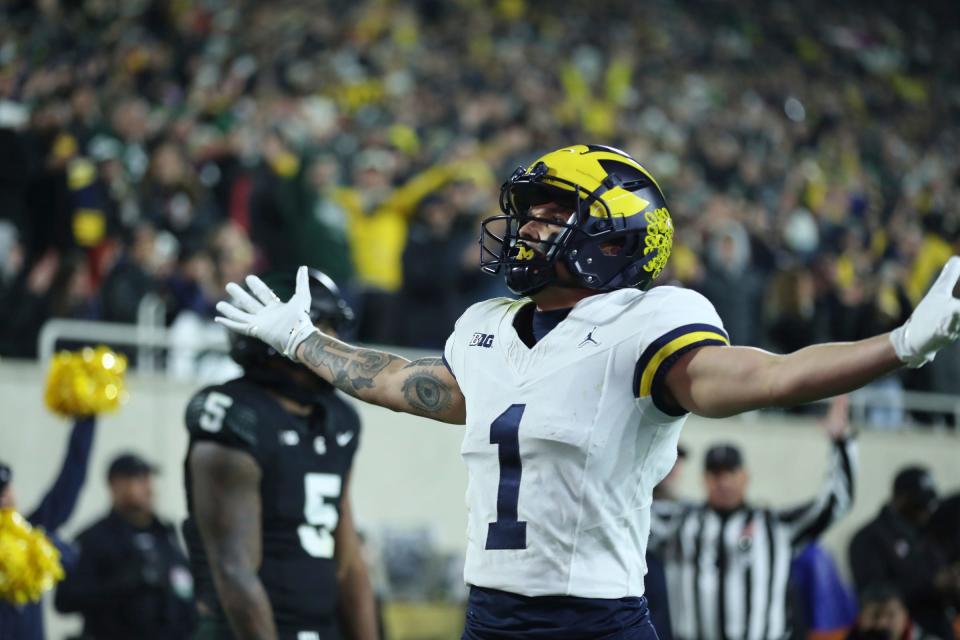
(508, 532)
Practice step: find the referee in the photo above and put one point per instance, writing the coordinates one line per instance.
(727, 562)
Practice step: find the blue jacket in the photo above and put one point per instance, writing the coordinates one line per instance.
(828, 604)
(26, 622)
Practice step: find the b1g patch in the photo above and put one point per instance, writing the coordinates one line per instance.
(482, 340)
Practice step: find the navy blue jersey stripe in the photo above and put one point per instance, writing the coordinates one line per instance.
(662, 341)
(659, 392)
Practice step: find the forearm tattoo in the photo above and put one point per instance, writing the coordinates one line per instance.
(425, 362)
(351, 368)
(426, 392)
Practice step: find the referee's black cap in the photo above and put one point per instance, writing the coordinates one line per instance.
(722, 457)
(129, 465)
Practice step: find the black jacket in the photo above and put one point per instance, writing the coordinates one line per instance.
(889, 550)
(130, 582)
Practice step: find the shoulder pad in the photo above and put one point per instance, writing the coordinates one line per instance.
(217, 413)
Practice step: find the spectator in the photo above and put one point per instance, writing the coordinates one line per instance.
(53, 287)
(738, 554)
(132, 578)
(295, 215)
(191, 115)
(944, 528)
(56, 507)
(433, 272)
(232, 253)
(280, 208)
(378, 214)
(891, 549)
(731, 285)
(193, 286)
(172, 198)
(883, 616)
(132, 277)
(824, 605)
(328, 241)
(794, 318)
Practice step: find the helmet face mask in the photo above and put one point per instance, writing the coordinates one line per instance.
(618, 236)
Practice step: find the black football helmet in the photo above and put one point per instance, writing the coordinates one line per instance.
(328, 309)
(618, 236)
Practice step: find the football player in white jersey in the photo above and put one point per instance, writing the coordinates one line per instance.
(574, 395)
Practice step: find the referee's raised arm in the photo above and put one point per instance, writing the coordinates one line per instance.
(808, 521)
(728, 562)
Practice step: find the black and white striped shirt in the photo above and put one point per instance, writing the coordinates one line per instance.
(727, 573)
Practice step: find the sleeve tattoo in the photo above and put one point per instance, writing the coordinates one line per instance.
(352, 369)
(425, 391)
(382, 378)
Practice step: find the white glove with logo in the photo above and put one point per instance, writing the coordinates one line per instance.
(282, 325)
(935, 322)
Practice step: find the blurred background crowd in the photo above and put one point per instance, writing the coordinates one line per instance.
(807, 151)
(162, 148)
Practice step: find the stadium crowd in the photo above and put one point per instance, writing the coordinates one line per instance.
(807, 150)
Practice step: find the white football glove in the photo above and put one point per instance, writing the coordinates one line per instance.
(935, 322)
(282, 325)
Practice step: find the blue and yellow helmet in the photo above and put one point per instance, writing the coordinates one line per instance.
(618, 236)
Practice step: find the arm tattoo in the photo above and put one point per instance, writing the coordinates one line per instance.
(425, 392)
(352, 369)
(425, 362)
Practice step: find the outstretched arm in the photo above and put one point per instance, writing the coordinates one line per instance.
(806, 522)
(722, 381)
(424, 387)
(718, 382)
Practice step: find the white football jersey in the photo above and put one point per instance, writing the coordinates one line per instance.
(564, 442)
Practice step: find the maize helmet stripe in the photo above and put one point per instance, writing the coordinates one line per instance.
(570, 161)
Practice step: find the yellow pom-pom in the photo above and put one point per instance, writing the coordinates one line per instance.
(29, 563)
(85, 383)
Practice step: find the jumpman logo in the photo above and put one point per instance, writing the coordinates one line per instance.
(589, 339)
